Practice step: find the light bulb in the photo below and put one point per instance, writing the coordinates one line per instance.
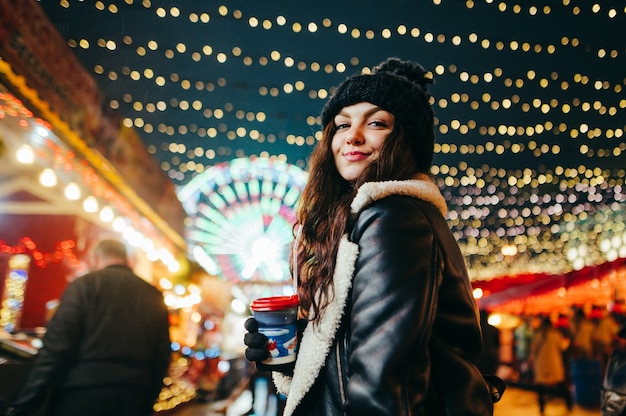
(25, 154)
(72, 191)
(90, 204)
(48, 178)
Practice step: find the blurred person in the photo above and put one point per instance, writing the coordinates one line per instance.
(393, 327)
(585, 364)
(564, 326)
(522, 336)
(490, 357)
(546, 355)
(106, 348)
(606, 328)
(582, 330)
(618, 312)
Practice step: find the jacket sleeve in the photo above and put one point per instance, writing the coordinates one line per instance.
(163, 357)
(393, 308)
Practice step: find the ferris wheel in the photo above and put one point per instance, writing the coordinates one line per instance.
(241, 215)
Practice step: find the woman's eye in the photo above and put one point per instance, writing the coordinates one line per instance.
(378, 123)
(342, 126)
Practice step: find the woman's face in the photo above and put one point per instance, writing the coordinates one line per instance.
(361, 130)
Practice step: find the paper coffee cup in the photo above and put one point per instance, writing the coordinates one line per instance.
(277, 316)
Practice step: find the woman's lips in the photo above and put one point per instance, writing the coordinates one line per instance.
(355, 156)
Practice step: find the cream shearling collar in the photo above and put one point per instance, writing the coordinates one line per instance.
(421, 187)
(318, 339)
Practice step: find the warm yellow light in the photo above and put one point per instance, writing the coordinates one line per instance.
(107, 214)
(48, 178)
(165, 283)
(90, 204)
(504, 320)
(72, 191)
(25, 154)
(509, 250)
(196, 317)
(478, 293)
(495, 319)
(42, 131)
(119, 224)
(238, 306)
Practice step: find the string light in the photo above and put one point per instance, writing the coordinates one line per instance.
(25, 154)
(72, 191)
(90, 204)
(527, 141)
(46, 149)
(48, 178)
(64, 251)
(107, 214)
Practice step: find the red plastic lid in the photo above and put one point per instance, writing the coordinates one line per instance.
(274, 303)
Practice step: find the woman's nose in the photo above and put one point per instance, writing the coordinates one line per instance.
(354, 136)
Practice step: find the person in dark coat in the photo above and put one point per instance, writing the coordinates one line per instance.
(393, 327)
(106, 348)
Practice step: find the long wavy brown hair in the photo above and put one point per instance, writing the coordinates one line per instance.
(324, 209)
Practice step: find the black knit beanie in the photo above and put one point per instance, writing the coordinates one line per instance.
(397, 86)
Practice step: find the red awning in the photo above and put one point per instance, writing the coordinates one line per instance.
(596, 285)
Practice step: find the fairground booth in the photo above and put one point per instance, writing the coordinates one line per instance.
(72, 174)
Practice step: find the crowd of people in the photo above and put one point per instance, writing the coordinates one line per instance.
(567, 356)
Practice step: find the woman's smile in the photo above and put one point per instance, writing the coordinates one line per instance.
(355, 156)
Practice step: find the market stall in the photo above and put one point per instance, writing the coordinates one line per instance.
(72, 174)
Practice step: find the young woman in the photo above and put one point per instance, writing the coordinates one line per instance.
(392, 328)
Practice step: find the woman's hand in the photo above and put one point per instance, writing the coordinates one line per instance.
(256, 343)
(257, 351)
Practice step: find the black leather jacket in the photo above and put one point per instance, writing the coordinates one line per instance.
(402, 335)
